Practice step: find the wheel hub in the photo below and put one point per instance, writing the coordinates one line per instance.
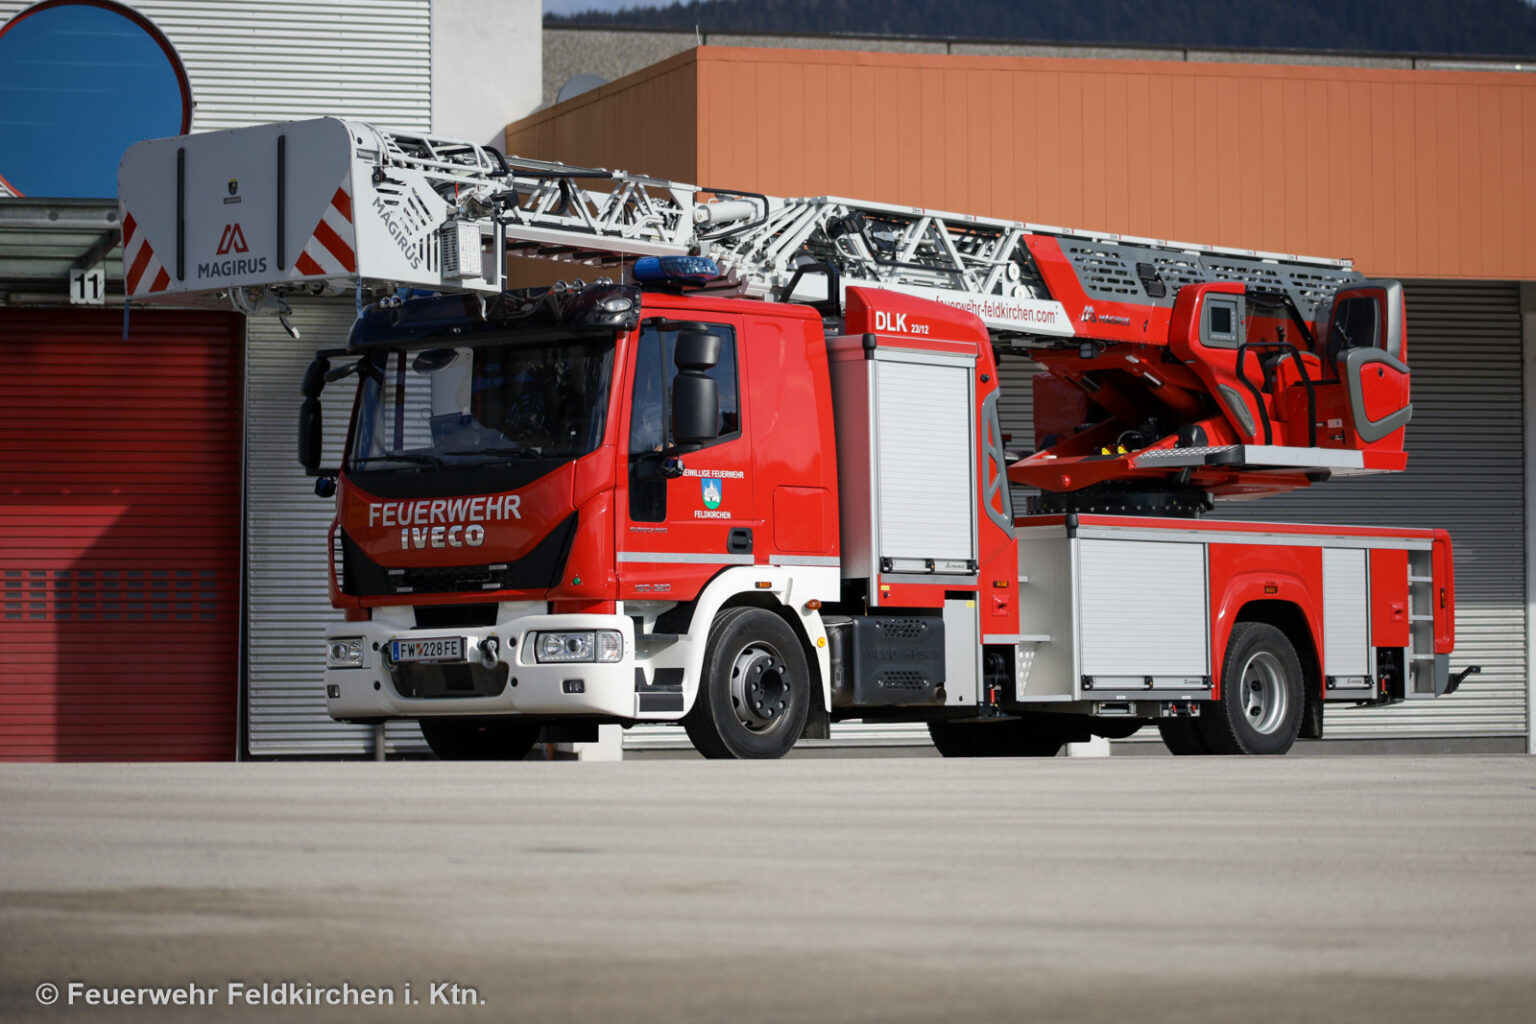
(759, 689)
(1266, 701)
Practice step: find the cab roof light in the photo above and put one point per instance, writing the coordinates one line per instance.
(676, 270)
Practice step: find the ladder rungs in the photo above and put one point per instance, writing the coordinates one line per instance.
(1421, 579)
(1421, 618)
(1424, 657)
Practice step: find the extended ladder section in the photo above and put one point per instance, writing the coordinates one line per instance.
(326, 205)
(1023, 280)
(1222, 371)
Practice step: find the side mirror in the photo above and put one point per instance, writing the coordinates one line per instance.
(315, 377)
(695, 394)
(310, 434)
(696, 349)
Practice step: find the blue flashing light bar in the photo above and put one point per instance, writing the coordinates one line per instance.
(680, 270)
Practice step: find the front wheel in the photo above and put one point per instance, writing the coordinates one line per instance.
(1262, 697)
(479, 739)
(755, 690)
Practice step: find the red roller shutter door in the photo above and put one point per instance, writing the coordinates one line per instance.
(120, 468)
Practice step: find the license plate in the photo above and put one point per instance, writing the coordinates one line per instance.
(432, 648)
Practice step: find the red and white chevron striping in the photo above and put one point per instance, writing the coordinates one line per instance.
(329, 250)
(143, 272)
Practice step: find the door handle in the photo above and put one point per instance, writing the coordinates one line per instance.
(739, 541)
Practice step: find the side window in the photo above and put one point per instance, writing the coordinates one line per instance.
(1354, 325)
(650, 424)
(648, 408)
(724, 374)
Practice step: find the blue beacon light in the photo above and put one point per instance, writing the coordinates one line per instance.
(694, 270)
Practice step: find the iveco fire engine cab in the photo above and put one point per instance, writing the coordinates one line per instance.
(752, 478)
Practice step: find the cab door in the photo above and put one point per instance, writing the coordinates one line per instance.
(687, 513)
(1366, 347)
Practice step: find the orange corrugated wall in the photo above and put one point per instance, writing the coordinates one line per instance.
(1422, 174)
(646, 122)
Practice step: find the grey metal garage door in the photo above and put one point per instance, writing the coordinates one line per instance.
(1466, 474)
(287, 603)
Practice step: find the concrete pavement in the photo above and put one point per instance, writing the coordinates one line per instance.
(879, 890)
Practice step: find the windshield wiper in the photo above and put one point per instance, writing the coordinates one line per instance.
(520, 450)
(416, 457)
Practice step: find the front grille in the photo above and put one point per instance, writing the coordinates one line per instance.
(451, 579)
(539, 569)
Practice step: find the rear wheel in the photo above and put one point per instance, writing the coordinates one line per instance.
(755, 690)
(1262, 697)
(479, 739)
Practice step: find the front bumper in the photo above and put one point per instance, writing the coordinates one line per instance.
(379, 689)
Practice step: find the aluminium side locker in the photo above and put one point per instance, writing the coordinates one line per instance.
(1112, 617)
(1121, 611)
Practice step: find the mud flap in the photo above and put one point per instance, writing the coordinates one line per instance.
(1312, 717)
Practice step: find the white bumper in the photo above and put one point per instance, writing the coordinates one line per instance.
(381, 690)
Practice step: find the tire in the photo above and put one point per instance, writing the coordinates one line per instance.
(479, 739)
(1262, 697)
(952, 739)
(755, 689)
(1030, 736)
(1182, 736)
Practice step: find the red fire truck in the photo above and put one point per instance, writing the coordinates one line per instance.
(753, 479)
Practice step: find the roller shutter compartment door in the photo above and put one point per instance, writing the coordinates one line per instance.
(119, 535)
(1466, 466)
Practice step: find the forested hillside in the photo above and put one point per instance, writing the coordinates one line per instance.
(1469, 27)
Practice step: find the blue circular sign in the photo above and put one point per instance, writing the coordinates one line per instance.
(81, 81)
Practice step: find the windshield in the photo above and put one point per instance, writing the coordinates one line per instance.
(470, 406)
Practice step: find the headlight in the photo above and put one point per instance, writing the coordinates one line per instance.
(604, 645)
(344, 652)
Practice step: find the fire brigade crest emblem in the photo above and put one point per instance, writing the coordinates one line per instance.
(712, 488)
